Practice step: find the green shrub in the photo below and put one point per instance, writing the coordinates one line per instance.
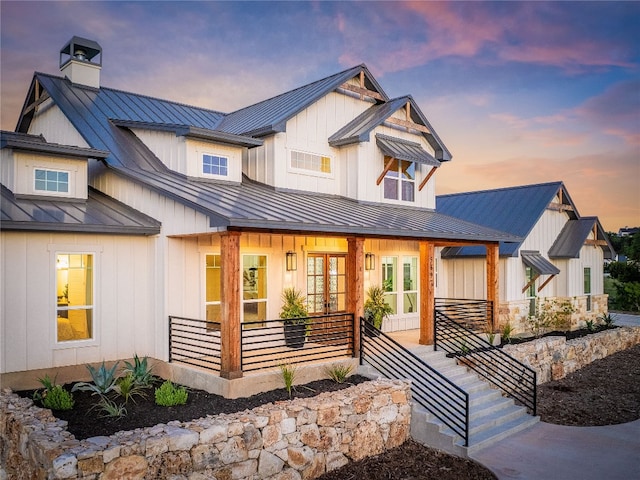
(339, 373)
(57, 398)
(507, 331)
(169, 395)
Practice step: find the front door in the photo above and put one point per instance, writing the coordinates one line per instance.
(326, 283)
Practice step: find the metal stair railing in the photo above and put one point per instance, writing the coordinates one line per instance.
(503, 371)
(429, 388)
(472, 314)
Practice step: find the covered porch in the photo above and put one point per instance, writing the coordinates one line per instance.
(230, 341)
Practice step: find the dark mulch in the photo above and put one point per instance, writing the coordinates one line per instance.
(603, 393)
(86, 421)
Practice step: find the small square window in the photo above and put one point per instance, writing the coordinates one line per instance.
(215, 165)
(51, 181)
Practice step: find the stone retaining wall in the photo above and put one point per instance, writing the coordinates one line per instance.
(555, 357)
(294, 440)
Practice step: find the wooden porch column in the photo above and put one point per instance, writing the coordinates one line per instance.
(230, 361)
(493, 272)
(427, 293)
(355, 285)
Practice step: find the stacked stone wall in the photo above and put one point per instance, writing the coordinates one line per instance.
(516, 312)
(293, 440)
(555, 357)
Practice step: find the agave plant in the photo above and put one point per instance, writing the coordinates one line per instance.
(104, 380)
(140, 371)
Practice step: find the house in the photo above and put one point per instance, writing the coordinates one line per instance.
(561, 256)
(131, 222)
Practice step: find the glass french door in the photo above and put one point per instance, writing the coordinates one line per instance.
(326, 283)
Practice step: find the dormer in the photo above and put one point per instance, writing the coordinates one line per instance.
(81, 62)
(32, 167)
(193, 151)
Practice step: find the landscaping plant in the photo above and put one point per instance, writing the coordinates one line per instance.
(607, 320)
(376, 309)
(140, 371)
(104, 380)
(550, 313)
(53, 396)
(128, 387)
(169, 395)
(507, 331)
(339, 373)
(288, 374)
(110, 408)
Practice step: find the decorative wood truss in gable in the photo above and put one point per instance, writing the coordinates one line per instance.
(362, 89)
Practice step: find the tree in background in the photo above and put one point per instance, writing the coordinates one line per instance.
(626, 275)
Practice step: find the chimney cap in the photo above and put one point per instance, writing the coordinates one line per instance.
(89, 48)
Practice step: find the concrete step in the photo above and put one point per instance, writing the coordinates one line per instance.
(496, 433)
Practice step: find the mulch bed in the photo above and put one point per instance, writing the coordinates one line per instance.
(569, 335)
(605, 392)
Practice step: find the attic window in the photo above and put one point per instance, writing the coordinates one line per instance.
(215, 165)
(310, 162)
(56, 181)
(399, 179)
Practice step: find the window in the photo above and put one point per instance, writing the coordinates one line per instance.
(51, 181)
(531, 290)
(254, 289)
(410, 284)
(399, 181)
(311, 162)
(74, 290)
(389, 281)
(215, 165)
(401, 296)
(212, 288)
(587, 286)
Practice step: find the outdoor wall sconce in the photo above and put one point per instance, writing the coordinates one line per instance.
(369, 261)
(292, 261)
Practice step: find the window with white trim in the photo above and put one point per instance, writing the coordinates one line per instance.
(587, 286)
(56, 181)
(254, 290)
(310, 162)
(215, 165)
(212, 288)
(401, 292)
(399, 179)
(74, 290)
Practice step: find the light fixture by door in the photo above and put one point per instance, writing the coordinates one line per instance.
(369, 261)
(292, 261)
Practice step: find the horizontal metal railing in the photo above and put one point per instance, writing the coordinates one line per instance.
(514, 378)
(429, 388)
(475, 315)
(265, 343)
(194, 342)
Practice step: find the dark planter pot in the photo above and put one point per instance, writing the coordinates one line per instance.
(294, 335)
(371, 331)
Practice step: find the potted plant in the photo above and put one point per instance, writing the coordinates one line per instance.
(375, 310)
(295, 317)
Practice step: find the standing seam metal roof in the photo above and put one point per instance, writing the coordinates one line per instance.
(249, 204)
(573, 237)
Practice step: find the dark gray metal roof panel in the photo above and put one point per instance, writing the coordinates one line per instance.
(514, 210)
(573, 236)
(37, 143)
(540, 264)
(405, 150)
(98, 214)
(254, 205)
(270, 116)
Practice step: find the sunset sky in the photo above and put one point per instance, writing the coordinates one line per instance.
(519, 92)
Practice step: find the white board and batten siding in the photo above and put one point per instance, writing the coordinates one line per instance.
(123, 323)
(50, 122)
(184, 155)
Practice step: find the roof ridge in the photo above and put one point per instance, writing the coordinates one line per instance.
(181, 104)
(362, 65)
(515, 187)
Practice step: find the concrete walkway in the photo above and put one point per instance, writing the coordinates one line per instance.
(550, 452)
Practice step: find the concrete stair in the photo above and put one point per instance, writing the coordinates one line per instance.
(492, 416)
